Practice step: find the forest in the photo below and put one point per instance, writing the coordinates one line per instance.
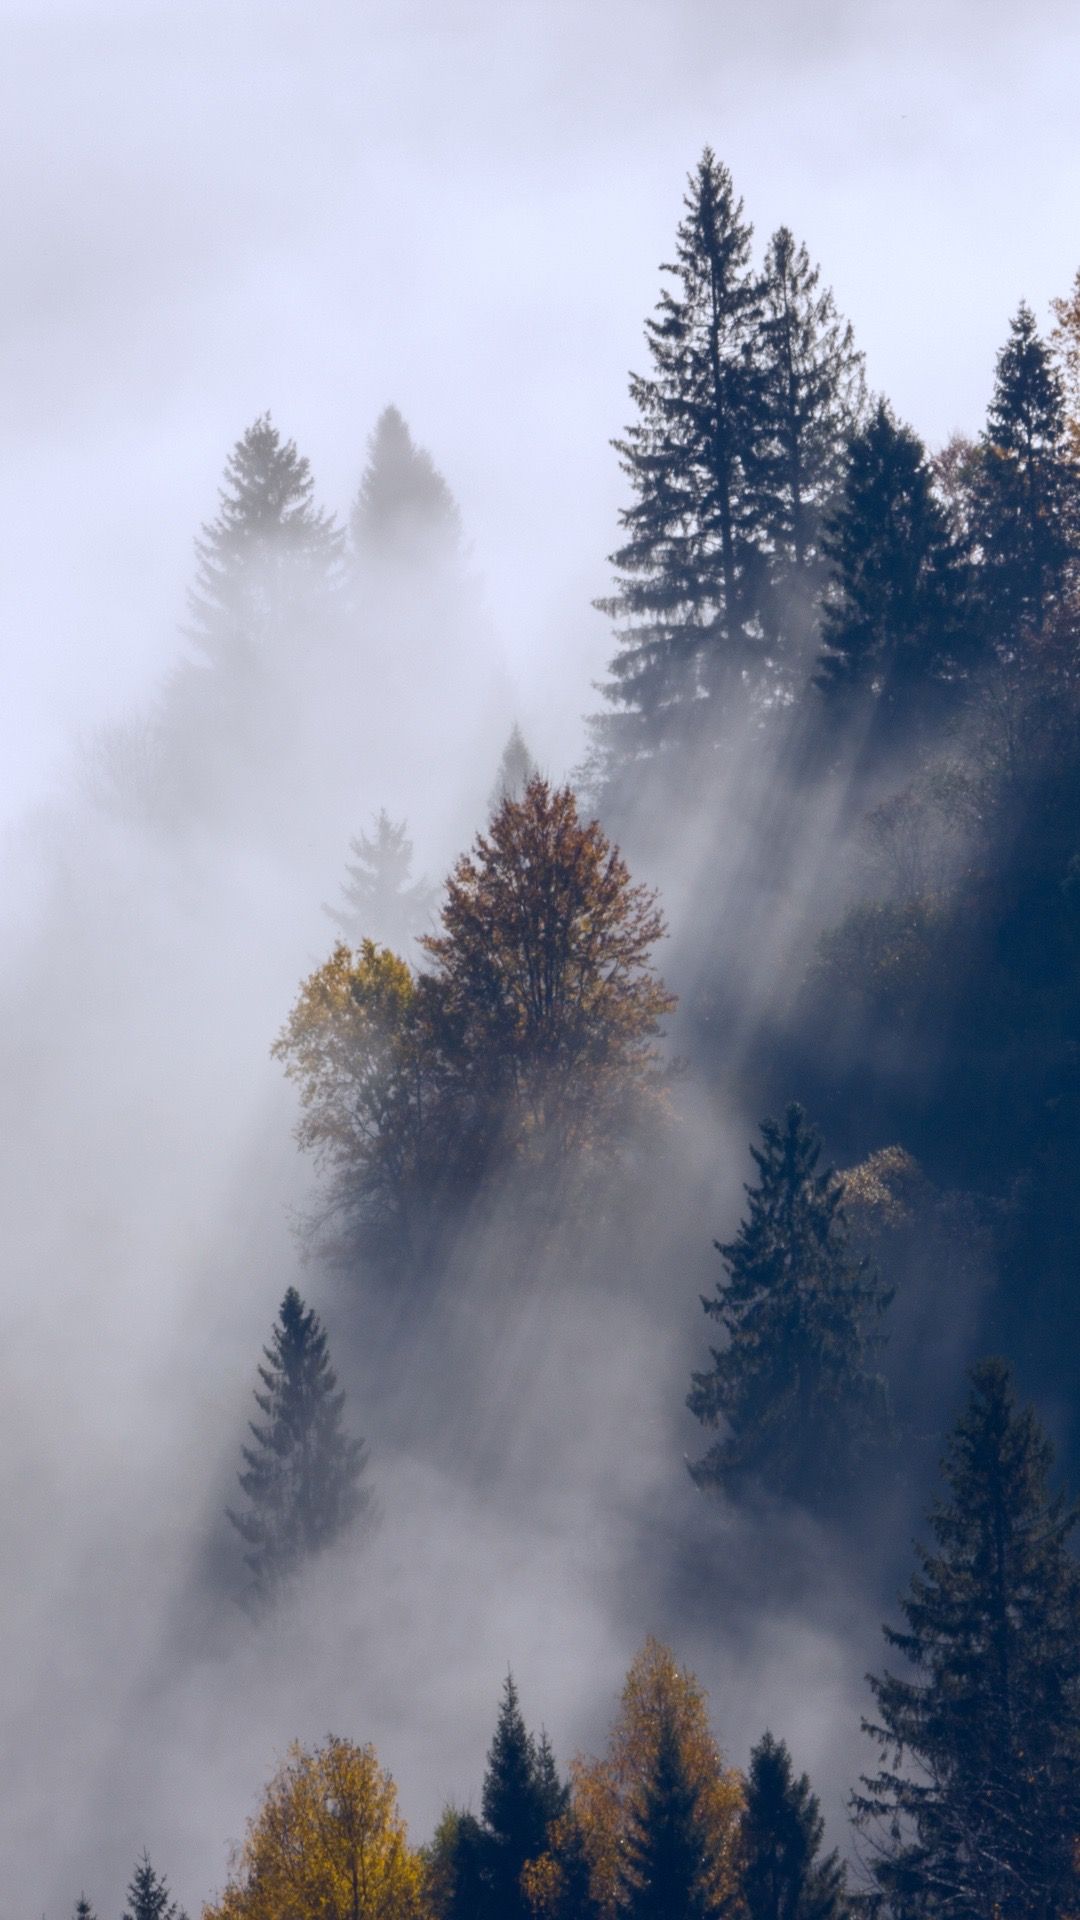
(665, 1224)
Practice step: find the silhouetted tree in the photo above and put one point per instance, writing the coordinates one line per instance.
(689, 572)
(793, 1384)
(521, 1795)
(83, 1909)
(148, 1895)
(303, 1476)
(783, 1878)
(516, 768)
(976, 1807)
(894, 623)
(1027, 490)
(665, 1874)
(382, 902)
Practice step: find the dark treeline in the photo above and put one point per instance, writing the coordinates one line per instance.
(841, 738)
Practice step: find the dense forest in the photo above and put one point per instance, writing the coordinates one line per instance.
(686, 1186)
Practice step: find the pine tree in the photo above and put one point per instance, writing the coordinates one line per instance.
(303, 1474)
(782, 1833)
(894, 619)
(268, 554)
(976, 1807)
(148, 1895)
(516, 768)
(403, 504)
(83, 1909)
(665, 1872)
(690, 570)
(813, 393)
(521, 1795)
(382, 902)
(1028, 489)
(794, 1382)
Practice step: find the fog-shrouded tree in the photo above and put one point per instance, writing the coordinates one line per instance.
(666, 1861)
(303, 1474)
(1065, 344)
(975, 1809)
(521, 1796)
(690, 566)
(794, 1387)
(895, 621)
(403, 503)
(328, 1840)
(83, 1909)
(785, 1876)
(813, 394)
(148, 1896)
(380, 899)
(1027, 489)
(516, 768)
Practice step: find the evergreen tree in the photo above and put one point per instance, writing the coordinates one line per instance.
(793, 1383)
(303, 1474)
(1028, 489)
(148, 1895)
(516, 769)
(813, 392)
(403, 504)
(690, 570)
(83, 1909)
(894, 618)
(382, 902)
(267, 554)
(521, 1796)
(782, 1833)
(665, 1872)
(976, 1807)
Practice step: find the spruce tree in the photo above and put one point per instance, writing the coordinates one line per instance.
(783, 1879)
(894, 622)
(665, 1874)
(1028, 489)
(303, 1475)
(381, 900)
(516, 768)
(83, 1909)
(521, 1795)
(148, 1895)
(976, 1807)
(813, 392)
(403, 505)
(794, 1383)
(690, 570)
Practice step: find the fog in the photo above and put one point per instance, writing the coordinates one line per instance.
(460, 211)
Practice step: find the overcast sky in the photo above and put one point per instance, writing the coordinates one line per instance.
(218, 208)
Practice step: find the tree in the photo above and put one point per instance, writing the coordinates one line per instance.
(403, 504)
(382, 902)
(328, 1839)
(148, 1895)
(660, 1802)
(813, 396)
(83, 1909)
(893, 622)
(1065, 342)
(689, 571)
(793, 1383)
(521, 1795)
(1027, 490)
(303, 1475)
(782, 1833)
(516, 768)
(976, 1806)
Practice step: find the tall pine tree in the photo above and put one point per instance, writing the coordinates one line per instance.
(522, 1795)
(666, 1864)
(148, 1895)
(783, 1878)
(303, 1474)
(976, 1806)
(381, 900)
(794, 1384)
(690, 570)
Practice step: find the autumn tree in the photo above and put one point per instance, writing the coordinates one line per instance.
(783, 1877)
(328, 1839)
(381, 901)
(660, 1811)
(975, 1809)
(148, 1895)
(794, 1384)
(303, 1474)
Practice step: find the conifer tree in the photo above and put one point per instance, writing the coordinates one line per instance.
(1028, 489)
(894, 619)
(976, 1806)
(381, 900)
(665, 1871)
(690, 569)
(783, 1879)
(83, 1909)
(813, 393)
(148, 1895)
(794, 1383)
(516, 769)
(303, 1474)
(403, 504)
(521, 1795)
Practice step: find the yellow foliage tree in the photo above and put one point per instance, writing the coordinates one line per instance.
(328, 1843)
(1065, 340)
(610, 1797)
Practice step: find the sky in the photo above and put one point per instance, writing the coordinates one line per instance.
(461, 208)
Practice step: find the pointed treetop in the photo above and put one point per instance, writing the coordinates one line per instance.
(403, 500)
